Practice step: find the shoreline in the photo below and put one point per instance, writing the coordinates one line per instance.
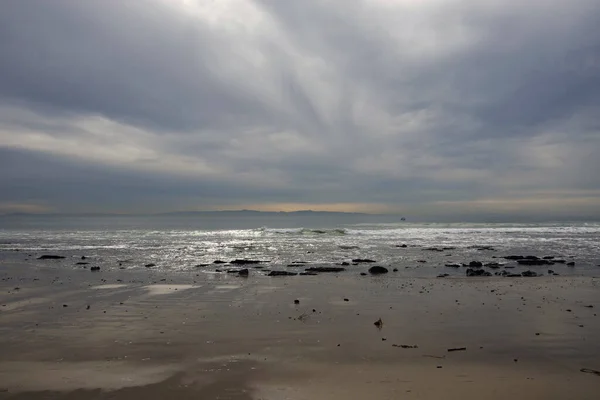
(247, 339)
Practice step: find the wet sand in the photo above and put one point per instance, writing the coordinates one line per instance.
(151, 334)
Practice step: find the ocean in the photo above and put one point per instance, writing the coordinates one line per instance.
(188, 243)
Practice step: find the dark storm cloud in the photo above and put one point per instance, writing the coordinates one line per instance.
(395, 103)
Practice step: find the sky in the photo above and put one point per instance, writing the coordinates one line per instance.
(439, 108)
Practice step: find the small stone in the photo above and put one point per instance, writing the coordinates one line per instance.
(362, 260)
(378, 270)
(50, 257)
(282, 273)
(296, 301)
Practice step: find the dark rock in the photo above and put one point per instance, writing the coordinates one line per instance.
(363, 274)
(308, 273)
(244, 262)
(50, 257)
(244, 272)
(457, 349)
(296, 301)
(548, 258)
(299, 262)
(475, 264)
(345, 263)
(81, 263)
(402, 246)
(514, 257)
(531, 258)
(150, 265)
(395, 270)
(378, 270)
(529, 274)
(83, 257)
(282, 273)
(432, 249)
(559, 261)
(514, 275)
(534, 262)
(448, 248)
(88, 307)
(443, 275)
(95, 269)
(453, 265)
(378, 323)
(405, 346)
(65, 305)
(421, 261)
(219, 262)
(478, 272)
(550, 272)
(362, 260)
(201, 265)
(571, 264)
(325, 269)
(346, 299)
(590, 371)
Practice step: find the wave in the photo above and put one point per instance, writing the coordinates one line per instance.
(306, 231)
(333, 232)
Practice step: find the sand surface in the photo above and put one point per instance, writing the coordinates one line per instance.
(73, 334)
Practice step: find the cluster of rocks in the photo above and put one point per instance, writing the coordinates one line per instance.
(534, 260)
(439, 249)
(474, 268)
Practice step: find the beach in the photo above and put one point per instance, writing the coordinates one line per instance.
(143, 333)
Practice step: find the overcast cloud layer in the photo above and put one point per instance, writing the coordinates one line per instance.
(421, 107)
